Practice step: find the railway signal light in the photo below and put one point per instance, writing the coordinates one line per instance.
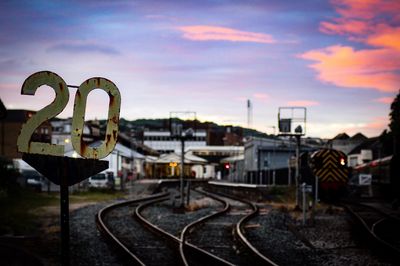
(227, 166)
(342, 161)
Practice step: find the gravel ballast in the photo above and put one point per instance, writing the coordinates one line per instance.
(329, 241)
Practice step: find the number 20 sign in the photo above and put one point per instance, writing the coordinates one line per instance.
(33, 82)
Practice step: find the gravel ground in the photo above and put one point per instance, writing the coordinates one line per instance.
(275, 233)
(328, 242)
(164, 216)
(149, 248)
(87, 245)
(216, 235)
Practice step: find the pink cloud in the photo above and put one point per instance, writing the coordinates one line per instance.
(346, 67)
(365, 9)
(378, 123)
(385, 100)
(261, 96)
(214, 33)
(370, 22)
(371, 128)
(344, 26)
(302, 103)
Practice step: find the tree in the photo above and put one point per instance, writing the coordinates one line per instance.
(394, 124)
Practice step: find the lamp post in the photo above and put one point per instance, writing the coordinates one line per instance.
(273, 156)
(177, 132)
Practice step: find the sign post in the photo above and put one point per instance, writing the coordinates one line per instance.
(49, 159)
(292, 122)
(305, 189)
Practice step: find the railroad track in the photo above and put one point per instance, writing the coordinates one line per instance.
(200, 256)
(170, 242)
(135, 245)
(382, 227)
(221, 231)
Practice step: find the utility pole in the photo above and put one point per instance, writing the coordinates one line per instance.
(297, 174)
(182, 169)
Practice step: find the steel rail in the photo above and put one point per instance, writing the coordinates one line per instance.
(371, 229)
(187, 228)
(105, 231)
(205, 255)
(240, 232)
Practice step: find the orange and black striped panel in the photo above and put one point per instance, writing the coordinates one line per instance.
(330, 166)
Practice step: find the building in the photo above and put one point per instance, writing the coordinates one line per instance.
(10, 129)
(267, 160)
(216, 167)
(368, 150)
(344, 143)
(163, 142)
(61, 132)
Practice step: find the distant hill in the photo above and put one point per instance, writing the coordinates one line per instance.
(163, 124)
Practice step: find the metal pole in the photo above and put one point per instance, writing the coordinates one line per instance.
(316, 190)
(297, 169)
(64, 223)
(303, 189)
(2, 138)
(121, 179)
(188, 193)
(182, 167)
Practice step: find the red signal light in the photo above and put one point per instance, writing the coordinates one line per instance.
(227, 166)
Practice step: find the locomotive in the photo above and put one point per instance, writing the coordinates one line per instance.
(330, 168)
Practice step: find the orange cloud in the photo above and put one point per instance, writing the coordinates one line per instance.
(385, 36)
(213, 33)
(344, 66)
(385, 100)
(302, 103)
(372, 23)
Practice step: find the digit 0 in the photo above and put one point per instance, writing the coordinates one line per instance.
(31, 84)
(108, 144)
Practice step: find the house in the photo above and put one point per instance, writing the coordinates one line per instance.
(368, 150)
(168, 165)
(10, 128)
(123, 161)
(345, 143)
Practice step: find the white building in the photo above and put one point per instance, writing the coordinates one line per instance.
(162, 141)
(61, 133)
(122, 160)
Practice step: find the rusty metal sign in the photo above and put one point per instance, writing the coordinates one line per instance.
(33, 82)
(48, 158)
(110, 141)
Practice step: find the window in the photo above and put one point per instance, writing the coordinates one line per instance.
(266, 163)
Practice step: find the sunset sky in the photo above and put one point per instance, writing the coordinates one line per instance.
(339, 58)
